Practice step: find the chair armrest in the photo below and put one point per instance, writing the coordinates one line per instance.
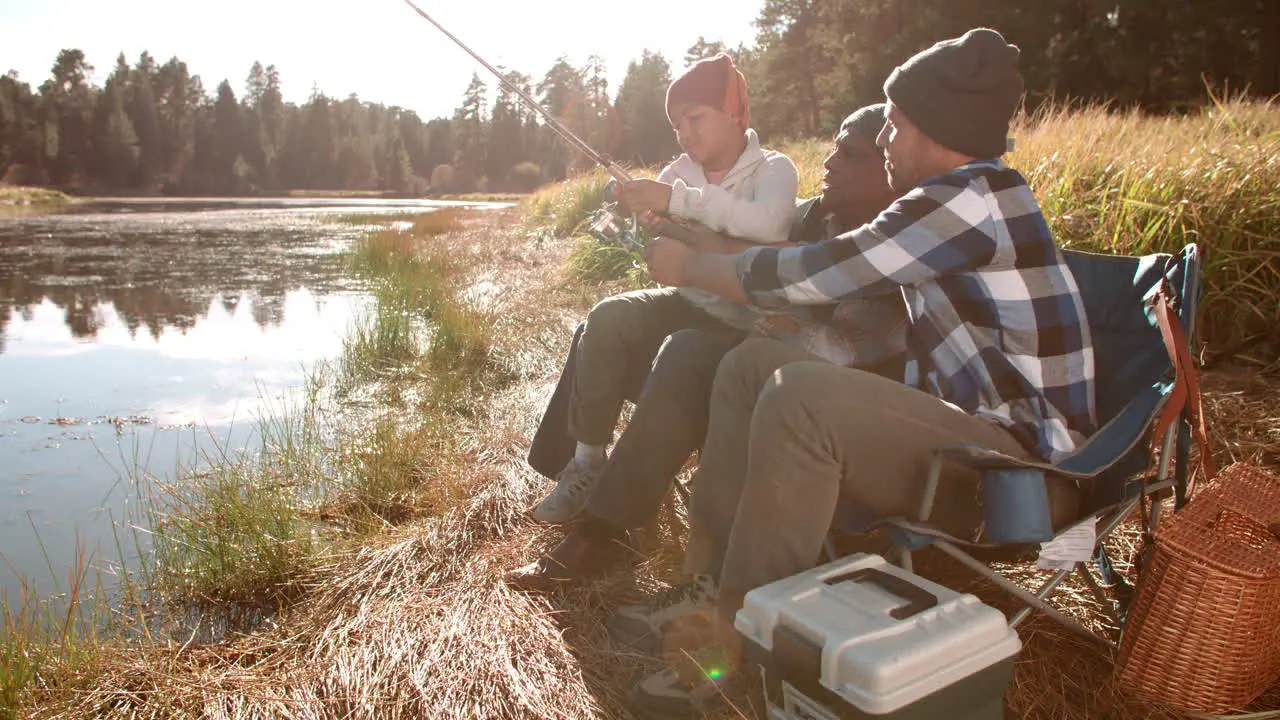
(1005, 477)
(981, 458)
(1102, 450)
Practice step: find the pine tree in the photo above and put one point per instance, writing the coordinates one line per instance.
(264, 112)
(144, 116)
(561, 93)
(19, 132)
(397, 175)
(115, 144)
(176, 94)
(642, 104)
(702, 48)
(601, 126)
(506, 147)
(468, 160)
(225, 161)
(785, 97)
(70, 101)
(416, 137)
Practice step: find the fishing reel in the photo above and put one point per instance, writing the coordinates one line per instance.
(612, 226)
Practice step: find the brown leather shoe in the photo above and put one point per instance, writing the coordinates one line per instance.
(575, 557)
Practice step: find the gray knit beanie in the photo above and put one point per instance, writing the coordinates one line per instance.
(865, 121)
(961, 92)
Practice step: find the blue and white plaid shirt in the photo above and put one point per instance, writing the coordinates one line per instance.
(997, 323)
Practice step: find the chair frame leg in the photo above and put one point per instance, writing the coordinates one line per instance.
(1046, 589)
(1162, 471)
(1032, 601)
(1100, 595)
(1108, 525)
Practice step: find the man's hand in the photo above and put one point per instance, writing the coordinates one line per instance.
(770, 325)
(673, 263)
(649, 220)
(697, 236)
(641, 195)
(666, 260)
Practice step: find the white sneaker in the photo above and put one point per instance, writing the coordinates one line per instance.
(574, 485)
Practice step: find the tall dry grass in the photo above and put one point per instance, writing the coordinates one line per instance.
(1123, 182)
(562, 208)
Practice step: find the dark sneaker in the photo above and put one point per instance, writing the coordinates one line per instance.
(643, 626)
(576, 556)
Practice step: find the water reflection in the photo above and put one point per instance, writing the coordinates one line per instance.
(142, 340)
(161, 269)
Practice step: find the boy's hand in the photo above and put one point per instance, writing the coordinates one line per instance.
(641, 195)
(666, 260)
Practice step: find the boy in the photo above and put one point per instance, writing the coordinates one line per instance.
(725, 181)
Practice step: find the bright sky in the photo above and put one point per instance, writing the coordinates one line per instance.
(379, 49)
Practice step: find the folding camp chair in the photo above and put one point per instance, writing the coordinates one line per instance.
(1139, 395)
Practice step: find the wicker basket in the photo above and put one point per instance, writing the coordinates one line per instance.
(1204, 633)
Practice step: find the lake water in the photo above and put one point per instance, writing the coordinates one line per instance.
(137, 334)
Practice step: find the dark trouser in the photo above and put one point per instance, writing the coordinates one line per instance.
(669, 423)
(552, 444)
(609, 360)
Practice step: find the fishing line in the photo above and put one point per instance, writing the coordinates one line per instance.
(556, 126)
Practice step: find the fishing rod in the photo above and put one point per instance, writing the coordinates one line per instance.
(556, 126)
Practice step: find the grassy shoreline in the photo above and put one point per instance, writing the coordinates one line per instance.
(31, 198)
(36, 197)
(374, 528)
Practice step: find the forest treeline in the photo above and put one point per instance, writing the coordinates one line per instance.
(156, 127)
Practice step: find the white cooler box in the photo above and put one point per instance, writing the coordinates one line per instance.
(860, 638)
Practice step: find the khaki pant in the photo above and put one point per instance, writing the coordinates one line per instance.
(789, 436)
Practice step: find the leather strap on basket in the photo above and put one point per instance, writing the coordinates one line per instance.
(1186, 389)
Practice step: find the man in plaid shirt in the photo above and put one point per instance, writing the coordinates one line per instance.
(1000, 352)
(996, 318)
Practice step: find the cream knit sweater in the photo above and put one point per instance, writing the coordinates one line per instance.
(754, 202)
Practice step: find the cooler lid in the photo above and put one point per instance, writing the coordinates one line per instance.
(886, 637)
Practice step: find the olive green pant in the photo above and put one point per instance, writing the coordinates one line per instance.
(620, 338)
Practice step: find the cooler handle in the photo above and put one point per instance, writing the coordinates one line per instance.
(919, 598)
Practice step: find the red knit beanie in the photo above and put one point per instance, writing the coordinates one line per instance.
(712, 81)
